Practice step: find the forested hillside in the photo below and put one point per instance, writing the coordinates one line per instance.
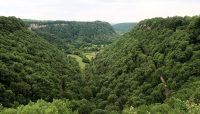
(71, 35)
(122, 28)
(157, 60)
(153, 69)
(31, 68)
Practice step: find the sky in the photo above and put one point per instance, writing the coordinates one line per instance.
(113, 11)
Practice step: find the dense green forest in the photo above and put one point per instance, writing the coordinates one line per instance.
(31, 68)
(153, 69)
(122, 28)
(157, 60)
(74, 36)
(78, 39)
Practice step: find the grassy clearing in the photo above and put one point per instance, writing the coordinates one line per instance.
(79, 60)
(90, 56)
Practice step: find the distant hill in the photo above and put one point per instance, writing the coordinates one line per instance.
(122, 28)
(68, 35)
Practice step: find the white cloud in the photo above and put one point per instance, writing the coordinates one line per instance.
(90, 10)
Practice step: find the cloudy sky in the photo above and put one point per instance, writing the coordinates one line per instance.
(113, 11)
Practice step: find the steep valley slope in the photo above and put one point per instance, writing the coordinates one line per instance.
(158, 60)
(31, 68)
(74, 36)
(153, 69)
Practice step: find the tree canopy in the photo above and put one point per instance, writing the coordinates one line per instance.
(154, 68)
(129, 72)
(31, 68)
(72, 35)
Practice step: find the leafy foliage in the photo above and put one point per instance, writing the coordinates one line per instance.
(128, 72)
(172, 106)
(63, 106)
(10, 24)
(42, 107)
(31, 68)
(70, 35)
(152, 69)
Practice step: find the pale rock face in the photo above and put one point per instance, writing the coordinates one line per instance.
(36, 26)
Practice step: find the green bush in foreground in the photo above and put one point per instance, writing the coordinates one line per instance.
(172, 106)
(42, 107)
(63, 106)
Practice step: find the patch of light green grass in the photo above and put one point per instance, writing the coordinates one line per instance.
(90, 56)
(79, 60)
